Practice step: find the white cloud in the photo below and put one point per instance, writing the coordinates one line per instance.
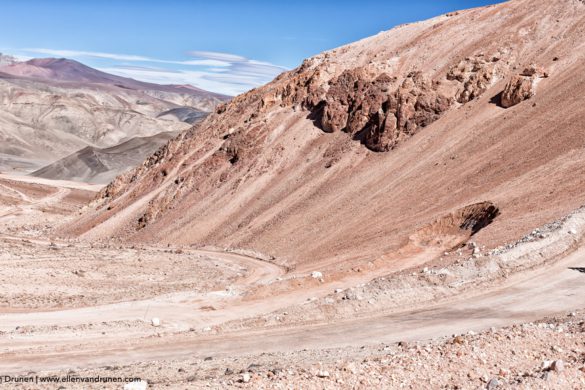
(203, 62)
(124, 57)
(221, 82)
(22, 58)
(213, 55)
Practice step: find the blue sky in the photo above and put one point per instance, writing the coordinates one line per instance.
(222, 45)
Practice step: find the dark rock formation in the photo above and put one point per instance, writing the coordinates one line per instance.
(379, 117)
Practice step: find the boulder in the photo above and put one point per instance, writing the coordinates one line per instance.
(476, 74)
(557, 366)
(493, 384)
(522, 87)
(518, 89)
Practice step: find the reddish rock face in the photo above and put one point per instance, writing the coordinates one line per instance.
(379, 117)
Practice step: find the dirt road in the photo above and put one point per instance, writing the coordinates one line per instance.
(117, 328)
(523, 297)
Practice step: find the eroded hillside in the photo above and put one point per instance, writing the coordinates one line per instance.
(347, 156)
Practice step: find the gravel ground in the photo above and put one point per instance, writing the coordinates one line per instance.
(548, 354)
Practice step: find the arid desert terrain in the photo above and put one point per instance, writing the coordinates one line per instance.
(403, 212)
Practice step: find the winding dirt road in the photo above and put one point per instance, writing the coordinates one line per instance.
(523, 297)
(64, 338)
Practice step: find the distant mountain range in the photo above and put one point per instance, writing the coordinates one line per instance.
(56, 70)
(51, 108)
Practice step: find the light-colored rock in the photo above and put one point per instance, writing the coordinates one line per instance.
(140, 385)
(155, 322)
(323, 374)
(316, 275)
(558, 366)
(246, 377)
(534, 70)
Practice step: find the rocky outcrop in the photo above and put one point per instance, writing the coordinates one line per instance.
(237, 145)
(518, 89)
(351, 101)
(374, 109)
(522, 87)
(476, 74)
(377, 114)
(304, 87)
(414, 105)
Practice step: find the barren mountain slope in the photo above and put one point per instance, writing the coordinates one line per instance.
(357, 152)
(51, 108)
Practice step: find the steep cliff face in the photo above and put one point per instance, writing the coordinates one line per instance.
(348, 155)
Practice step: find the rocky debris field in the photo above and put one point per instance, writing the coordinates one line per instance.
(548, 354)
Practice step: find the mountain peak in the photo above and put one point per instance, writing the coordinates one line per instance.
(47, 62)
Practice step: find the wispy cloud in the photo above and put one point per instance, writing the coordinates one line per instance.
(225, 73)
(143, 69)
(225, 82)
(214, 55)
